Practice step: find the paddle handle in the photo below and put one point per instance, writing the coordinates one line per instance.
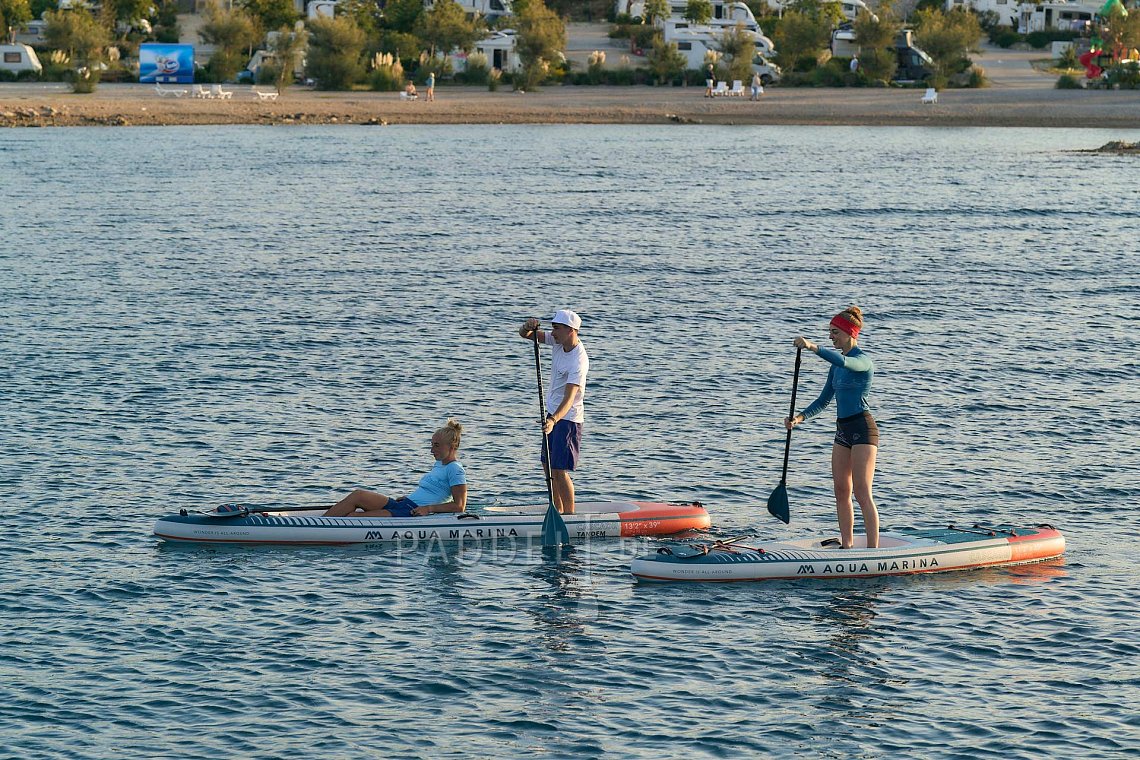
(791, 415)
(542, 418)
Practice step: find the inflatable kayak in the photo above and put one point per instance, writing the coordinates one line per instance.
(903, 552)
(235, 524)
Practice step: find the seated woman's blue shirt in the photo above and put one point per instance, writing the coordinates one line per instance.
(435, 487)
(848, 382)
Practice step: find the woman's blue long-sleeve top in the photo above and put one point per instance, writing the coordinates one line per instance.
(848, 382)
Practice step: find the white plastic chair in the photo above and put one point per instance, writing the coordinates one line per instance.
(263, 96)
(931, 95)
(198, 91)
(737, 88)
(721, 88)
(216, 91)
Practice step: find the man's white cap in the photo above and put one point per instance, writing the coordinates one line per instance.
(568, 318)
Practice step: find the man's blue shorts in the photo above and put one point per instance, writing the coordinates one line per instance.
(401, 507)
(565, 445)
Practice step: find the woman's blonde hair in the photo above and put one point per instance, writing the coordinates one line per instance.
(853, 314)
(451, 432)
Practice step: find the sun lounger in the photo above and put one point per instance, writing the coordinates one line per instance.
(721, 88)
(164, 92)
(198, 91)
(216, 91)
(737, 88)
(263, 96)
(931, 95)
(409, 96)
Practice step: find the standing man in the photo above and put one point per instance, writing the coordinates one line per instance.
(564, 414)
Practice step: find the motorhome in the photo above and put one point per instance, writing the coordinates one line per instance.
(1032, 17)
(499, 47)
(724, 12)
(18, 57)
(488, 9)
(913, 63)
(850, 8)
(695, 44)
(673, 30)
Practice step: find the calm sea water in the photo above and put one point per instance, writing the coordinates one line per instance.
(274, 316)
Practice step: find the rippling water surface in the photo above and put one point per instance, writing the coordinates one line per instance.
(272, 316)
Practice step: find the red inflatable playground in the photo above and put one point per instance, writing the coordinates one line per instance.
(1097, 59)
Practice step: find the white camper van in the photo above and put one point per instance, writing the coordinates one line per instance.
(18, 57)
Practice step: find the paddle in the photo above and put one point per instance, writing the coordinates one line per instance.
(554, 531)
(778, 501)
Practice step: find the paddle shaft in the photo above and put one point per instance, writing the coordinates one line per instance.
(542, 419)
(791, 415)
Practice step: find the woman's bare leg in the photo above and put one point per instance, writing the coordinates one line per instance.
(841, 483)
(863, 477)
(370, 502)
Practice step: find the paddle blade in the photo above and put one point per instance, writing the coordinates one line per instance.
(778, 504)
(554, 531)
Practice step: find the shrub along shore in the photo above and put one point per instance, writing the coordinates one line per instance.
(40, 105)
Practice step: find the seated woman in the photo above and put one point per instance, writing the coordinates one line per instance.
(410, 90)
(443, 489)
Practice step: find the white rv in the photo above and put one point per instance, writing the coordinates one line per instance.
(1033, 17)
(488, 9)
(695, 43)
(500, 49)
(17, 57)
(850, 8)
(683, 31)
(725, 12)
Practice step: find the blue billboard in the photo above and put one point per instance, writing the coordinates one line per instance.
(164, 63)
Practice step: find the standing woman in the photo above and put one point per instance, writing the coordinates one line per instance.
(856, 437)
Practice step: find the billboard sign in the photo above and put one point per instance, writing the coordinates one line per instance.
(173, 64)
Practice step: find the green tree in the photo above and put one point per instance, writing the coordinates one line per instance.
(445, 27)
(79, 33)
(1121, 30)
(665, 60)
(272, 14)
(336, 53)
(801, 36)
(368, 14)
(403, 15)
(233, 33)
(128, 10)
(739, 48)
(827, 11)
(14, 13)
(876, 39)
(947, 38)
(655, 9)
(540, 37)
(287, 47)
(698, 11)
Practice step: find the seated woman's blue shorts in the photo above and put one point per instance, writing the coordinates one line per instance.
(401, 507)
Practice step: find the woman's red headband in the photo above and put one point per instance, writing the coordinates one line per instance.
(846, 325)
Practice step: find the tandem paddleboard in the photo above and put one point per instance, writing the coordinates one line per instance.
(235, 524)
(902, 552)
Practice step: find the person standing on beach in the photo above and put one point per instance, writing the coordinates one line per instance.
(431, 87)
(757, 86)
(564, 410)
(856, 442)
(710, 80)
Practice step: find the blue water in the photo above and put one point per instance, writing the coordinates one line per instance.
(275, 316)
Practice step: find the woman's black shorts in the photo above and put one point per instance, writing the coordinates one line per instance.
(856, 429)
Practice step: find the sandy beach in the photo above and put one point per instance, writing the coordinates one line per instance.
(1019, 97)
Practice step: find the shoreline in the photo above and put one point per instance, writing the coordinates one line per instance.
(52, 104)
